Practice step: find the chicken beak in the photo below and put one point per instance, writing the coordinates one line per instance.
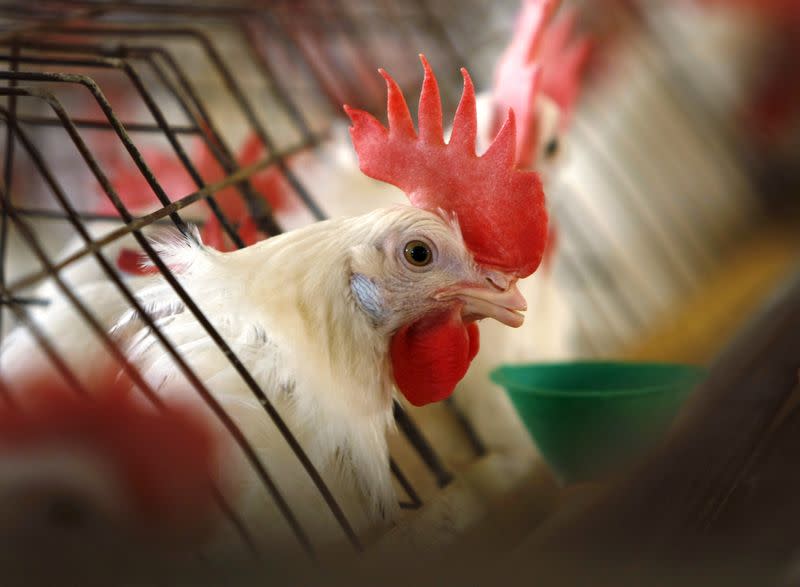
(489, 302)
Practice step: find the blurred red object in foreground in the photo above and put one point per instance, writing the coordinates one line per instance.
(112, 457)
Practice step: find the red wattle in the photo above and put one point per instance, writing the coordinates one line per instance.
(430, 356)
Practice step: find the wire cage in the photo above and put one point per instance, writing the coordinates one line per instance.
(150, 79)
(93, 87)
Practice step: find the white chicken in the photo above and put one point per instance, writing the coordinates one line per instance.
(539, 78)
(331, 318)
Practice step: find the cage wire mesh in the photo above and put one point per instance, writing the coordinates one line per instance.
(119, 53)
(652, 194)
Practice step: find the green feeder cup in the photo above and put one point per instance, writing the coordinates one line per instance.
(590, 418)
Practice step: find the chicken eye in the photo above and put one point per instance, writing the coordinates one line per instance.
(418, 253)
(551, 149)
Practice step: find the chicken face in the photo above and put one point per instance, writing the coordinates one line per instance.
(420, 266)
(437, 277)
(418, 283)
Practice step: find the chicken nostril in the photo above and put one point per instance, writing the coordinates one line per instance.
(499, 284)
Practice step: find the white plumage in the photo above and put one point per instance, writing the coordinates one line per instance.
(310, 314)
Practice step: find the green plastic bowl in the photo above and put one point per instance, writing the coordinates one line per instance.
(590, 418)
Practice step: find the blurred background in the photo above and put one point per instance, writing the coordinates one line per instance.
(676, 192)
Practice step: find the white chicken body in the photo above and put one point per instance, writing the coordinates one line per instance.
(331, 383)
(310, 315)
(262, 300)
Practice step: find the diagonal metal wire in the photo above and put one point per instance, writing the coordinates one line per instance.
(229, 82)
(140, 222)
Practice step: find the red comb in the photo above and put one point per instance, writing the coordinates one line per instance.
(518, 76)
(564, 63)
(540, 58)
(500, 210)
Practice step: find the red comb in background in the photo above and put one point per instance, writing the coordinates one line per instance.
(541, 58)
(269, 183)
(161, 462)
(138, 197)
(517, 77)
(133, 189)
(564, 57)
(500, 210)
(136, 194)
